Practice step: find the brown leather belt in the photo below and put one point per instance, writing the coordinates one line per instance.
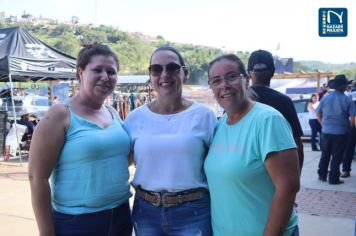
(169, 199)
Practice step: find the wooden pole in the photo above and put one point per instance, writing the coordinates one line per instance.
(318, 83)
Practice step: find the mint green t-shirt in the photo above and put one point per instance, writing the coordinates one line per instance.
(241, 189)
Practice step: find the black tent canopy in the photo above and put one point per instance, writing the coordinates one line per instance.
(26, 58)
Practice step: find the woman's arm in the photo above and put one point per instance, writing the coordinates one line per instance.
(283, 169)
(46, 144)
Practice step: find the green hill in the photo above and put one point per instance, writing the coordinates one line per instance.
(134, 49)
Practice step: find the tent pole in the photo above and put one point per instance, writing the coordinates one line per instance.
(50, 91)
(15, 118)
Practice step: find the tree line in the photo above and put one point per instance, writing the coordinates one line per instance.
(134, 50)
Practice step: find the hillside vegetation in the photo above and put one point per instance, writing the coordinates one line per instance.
(134, 49)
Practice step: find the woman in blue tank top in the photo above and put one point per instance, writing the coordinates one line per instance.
(78, 166)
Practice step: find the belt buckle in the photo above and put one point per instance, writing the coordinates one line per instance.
(158, 203)
(168, 194)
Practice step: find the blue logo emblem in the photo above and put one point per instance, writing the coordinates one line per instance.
(332, 22)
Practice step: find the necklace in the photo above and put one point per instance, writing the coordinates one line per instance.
(155, 107)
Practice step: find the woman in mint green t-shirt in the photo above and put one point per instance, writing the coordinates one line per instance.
(252, 165)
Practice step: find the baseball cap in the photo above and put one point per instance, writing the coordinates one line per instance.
(260, 61)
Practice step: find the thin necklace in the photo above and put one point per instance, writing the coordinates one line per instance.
(176, 110)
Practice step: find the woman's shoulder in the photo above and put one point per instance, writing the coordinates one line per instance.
(202, 108)
(266, 109)
(265, 112)
(138, 112)
(59, 110)
(57, 115)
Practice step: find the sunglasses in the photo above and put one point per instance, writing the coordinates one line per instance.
(172, 68)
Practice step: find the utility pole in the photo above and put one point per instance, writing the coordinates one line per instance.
(95, 13)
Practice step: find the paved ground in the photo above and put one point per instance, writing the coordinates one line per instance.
(327, 203)
(327, 210)
(322, 199)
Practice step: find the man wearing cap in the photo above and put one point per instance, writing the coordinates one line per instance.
(30, 126)
(334, 113)
(261, 70)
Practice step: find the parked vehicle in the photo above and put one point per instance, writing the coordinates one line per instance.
(32, 104)
(303, 114)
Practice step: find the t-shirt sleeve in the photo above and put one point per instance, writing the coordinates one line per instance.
(128, 125)
(275, 135)
(211, 125)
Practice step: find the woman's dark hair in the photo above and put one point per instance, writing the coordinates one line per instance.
(311, 97)
(88, 51)
(230, 57)
(168, 48)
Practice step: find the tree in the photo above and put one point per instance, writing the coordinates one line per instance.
(94, 35)
(68, 44)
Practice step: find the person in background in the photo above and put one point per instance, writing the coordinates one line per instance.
(348, 90)
(252, 164)
(25, 120)
(334, 113)
(170, 137)
(125, 107)
(261, 70)
(34, 119)
(132, 99)
(351, 140)
(55, 100)
(313, 121)
(78, 161)
(324, 89)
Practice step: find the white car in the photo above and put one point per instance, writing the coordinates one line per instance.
(32, 104)
(303, 115)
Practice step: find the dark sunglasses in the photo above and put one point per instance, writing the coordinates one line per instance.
(172, 68)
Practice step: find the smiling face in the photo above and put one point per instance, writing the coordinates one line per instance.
(230, 95)
(99, 77)
(169, 82)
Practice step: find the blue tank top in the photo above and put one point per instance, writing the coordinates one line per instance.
(91, 173)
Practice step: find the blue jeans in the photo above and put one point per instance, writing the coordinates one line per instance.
(332, 146)
(349, 150)
(191, 218)
(112, 222)
(315, 128)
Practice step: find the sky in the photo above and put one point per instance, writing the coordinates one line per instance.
(238, 25)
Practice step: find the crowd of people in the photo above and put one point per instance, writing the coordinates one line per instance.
(195, 175)
(125, 103)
